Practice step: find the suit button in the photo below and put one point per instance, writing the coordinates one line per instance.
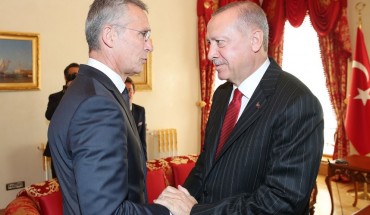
(205, 193)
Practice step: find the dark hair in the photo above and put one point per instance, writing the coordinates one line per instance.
(67, 69)
(129, 80)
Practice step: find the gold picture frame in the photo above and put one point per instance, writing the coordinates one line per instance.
(143, 81)
(19, 61)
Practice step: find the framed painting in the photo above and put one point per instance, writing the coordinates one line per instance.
(143, 81)
(19, 61)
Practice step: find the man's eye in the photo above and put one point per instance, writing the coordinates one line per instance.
(146, 35)
(220, 43)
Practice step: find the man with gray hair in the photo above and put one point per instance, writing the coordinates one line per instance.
(264, 136)
(93, 138)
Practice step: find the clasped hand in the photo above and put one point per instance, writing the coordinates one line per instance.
(178, 201)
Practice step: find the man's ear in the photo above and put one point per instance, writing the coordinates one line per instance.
(109, 34)
(257, 40)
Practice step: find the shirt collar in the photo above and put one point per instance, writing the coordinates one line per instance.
(249, 85)
(112, 75)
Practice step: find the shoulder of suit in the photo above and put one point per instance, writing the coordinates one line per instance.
(57, 94)
(137, 106)
(92, 73)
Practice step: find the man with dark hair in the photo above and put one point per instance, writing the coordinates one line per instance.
(93, 139)
(70, 73)
(138, 112)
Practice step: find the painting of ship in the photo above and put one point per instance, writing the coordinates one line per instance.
(19, 61)
(4, 64)
(11, 75)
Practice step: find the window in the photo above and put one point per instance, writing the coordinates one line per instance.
(301, 57)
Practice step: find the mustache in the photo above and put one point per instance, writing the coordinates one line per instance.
(217, 62)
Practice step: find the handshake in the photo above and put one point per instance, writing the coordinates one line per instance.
(178, 201)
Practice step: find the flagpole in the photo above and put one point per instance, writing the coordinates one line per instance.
(359, 7)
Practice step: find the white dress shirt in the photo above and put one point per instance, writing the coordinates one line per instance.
(112, 75)
(249, 85)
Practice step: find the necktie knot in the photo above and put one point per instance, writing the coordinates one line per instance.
(237, 95)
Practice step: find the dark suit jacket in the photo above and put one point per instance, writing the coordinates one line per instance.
(53, 103)
(270, 162)
(139, 116)
(96, 150)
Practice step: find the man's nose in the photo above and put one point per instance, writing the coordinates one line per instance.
(212, 53)
(149, 46)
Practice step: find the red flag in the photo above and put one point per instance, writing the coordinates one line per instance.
(358, 112)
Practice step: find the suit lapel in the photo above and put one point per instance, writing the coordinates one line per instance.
(219, 106)
(256, 106)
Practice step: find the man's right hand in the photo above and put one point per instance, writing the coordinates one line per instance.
(178, 201)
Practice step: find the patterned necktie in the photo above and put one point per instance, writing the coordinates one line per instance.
(126, 98)
(230, 119)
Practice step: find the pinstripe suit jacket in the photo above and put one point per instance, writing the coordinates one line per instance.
(270, 162)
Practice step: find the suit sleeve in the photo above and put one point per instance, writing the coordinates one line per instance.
(297, 143)
(98, 142)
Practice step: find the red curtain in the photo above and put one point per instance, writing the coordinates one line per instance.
(324, 15)
(205, 8)
(328, 18)
(335, 50)
(296, 11)
(225, 2)
(276, 16)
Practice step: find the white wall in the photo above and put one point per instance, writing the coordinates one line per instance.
(176, 87)
(60, 24)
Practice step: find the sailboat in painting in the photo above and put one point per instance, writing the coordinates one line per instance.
(4, 64)
(14, 75)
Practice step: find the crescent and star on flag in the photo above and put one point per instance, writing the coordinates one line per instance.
(363, 94)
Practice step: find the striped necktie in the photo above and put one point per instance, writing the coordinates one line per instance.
(230, 119)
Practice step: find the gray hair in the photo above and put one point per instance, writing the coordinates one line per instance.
(102, 12)
(250, 14)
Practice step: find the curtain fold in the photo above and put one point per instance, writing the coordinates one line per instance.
(275, 12)
(296, 12)
(324, 15)
(205, 8)
(335, 51)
